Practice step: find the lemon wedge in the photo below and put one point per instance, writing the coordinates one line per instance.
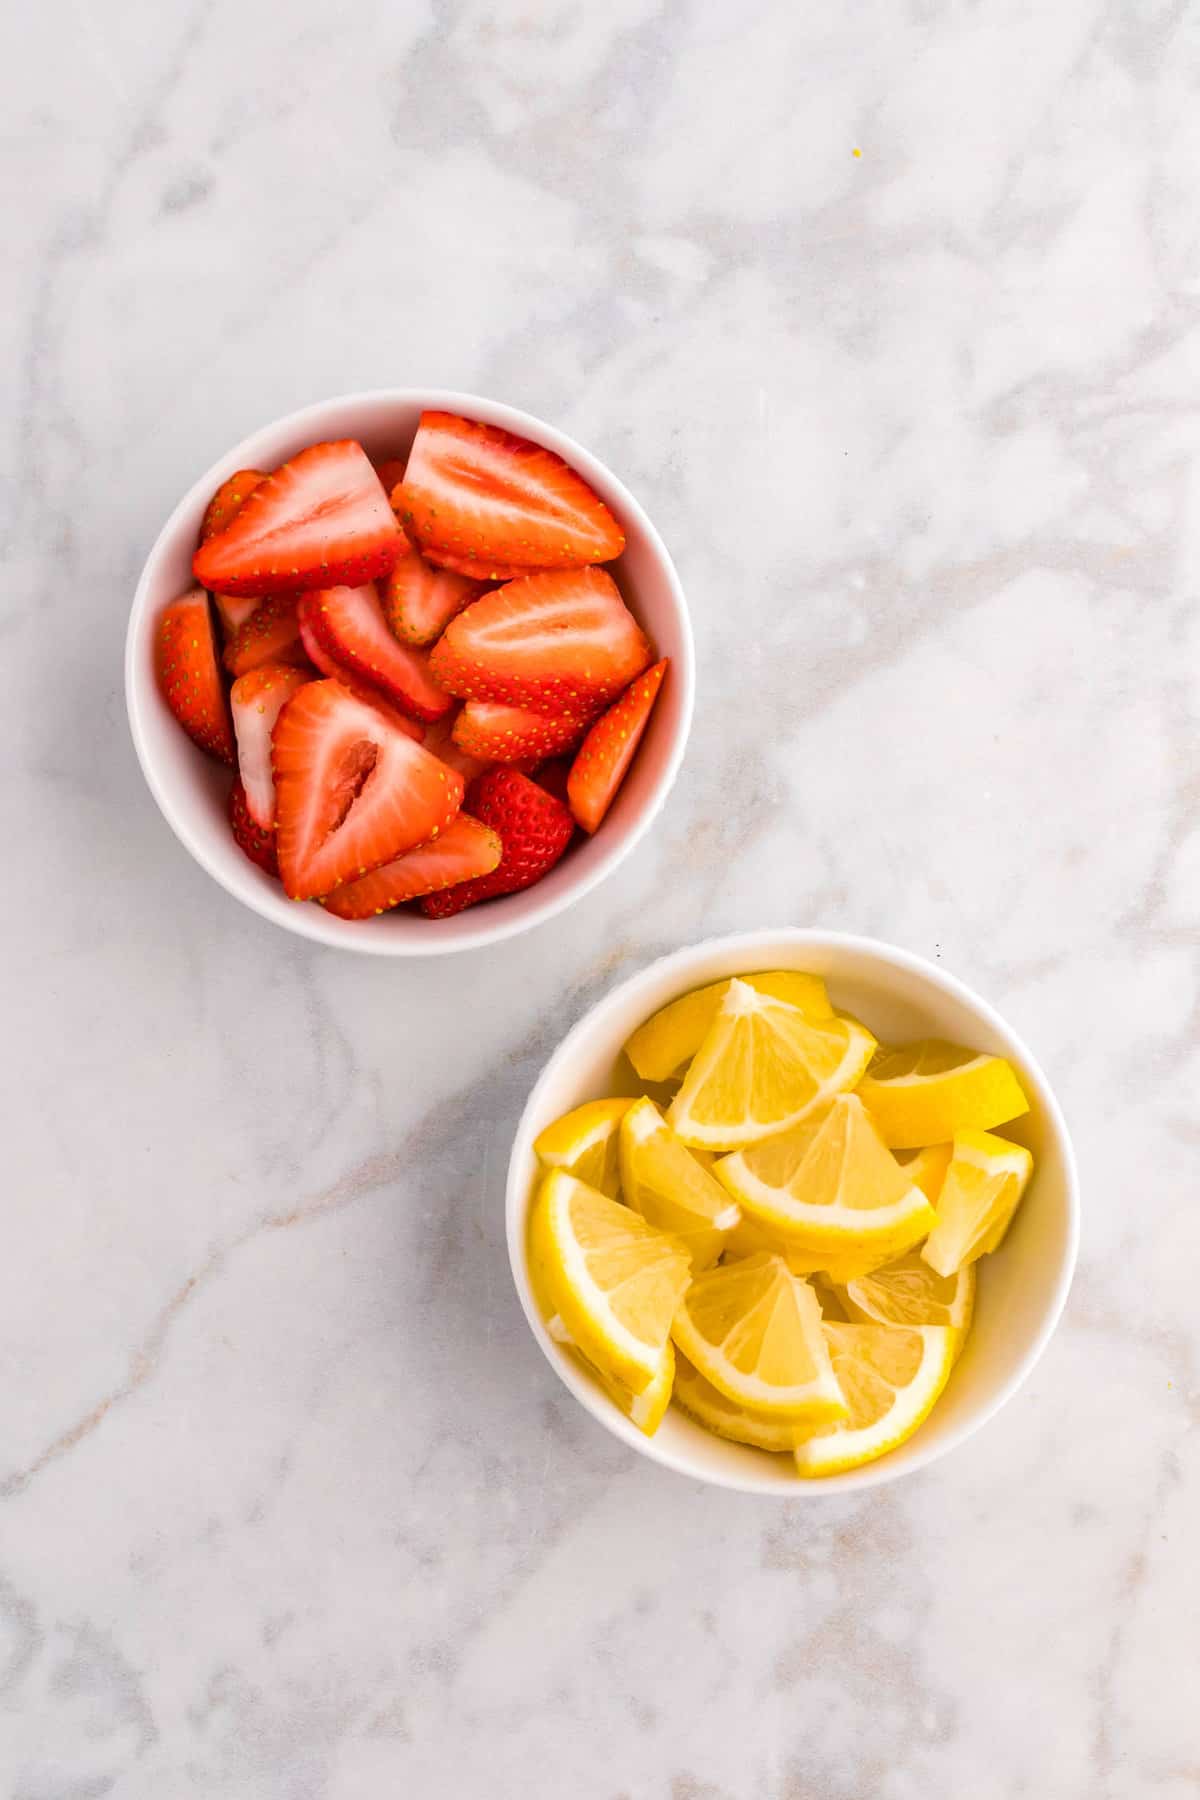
(613, 1281)
(831, 1186)
(982, 1190)
(889, 1380)
(926, 1168)
(585, 1143)
(753, 1329)
(662, 1180)
(710, 1408)
(647, 1409)
(924, 1093)
(671, 1037)
(909, 1292)
(764, 1066)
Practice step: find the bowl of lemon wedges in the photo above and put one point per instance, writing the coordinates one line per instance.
(792, 1211)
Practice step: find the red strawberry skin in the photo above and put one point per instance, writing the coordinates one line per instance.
(534, 828)
(476, 492)
(256, 701)
(480, 569)
(228, 500)
(466, 849)
(319, 521)
(607, 751)
(352, 791)
(314, 647)
(257, 842)
(350, 626)
(419, 601)
(512, 734)
(189, 675)
(559, 642)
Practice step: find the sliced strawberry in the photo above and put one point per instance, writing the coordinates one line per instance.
(352, 791)
(308, 613)
(256, 701)
(534, 828)
(350, 625)
(439, 741)
(607, 750)
(479, 569)
(228, 500)
(419, 601)
(320, 519)
(270, 634)
(189, 675)
(465, 850)
(564, 642)
(474, 490)
(234, 609)
(259, 845)
(509, 734)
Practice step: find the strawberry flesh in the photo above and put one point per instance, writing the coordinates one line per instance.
(509, 734)
(314, 646)
(270, 634)
(419, 601)
(604, 757)
(320, 520)
(476, 491)
(465, 850)
(189, 675)
(352, 790)
(534, 828)
(256, 701)
(350, 626)
(562, 642)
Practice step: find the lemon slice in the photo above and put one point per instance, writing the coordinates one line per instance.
(889, 1379)
(830, 1185)
(926, 1092)
(584, 1143)
(613, 1281)
(763, 1066)
(753, 1329)
(981, 1192)
(672, 1037)
(709, 1407)
(909, 1292)
(926, 1168)
(647, 1409)
(661, 1179)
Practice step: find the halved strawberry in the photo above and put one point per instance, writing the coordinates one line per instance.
(508, 734)
(319, 520)
(607, 750)
(480, 569)
(234, 609)
(352, 791)
(439, 741)
(256, 701)
(258, 844)
(349, 623)
(474, 490)
(189, 675)
(270, 634)
(534, 828)
(228, 500)
(465, 849)
(419, 601)
(563, 642)
(308, 613)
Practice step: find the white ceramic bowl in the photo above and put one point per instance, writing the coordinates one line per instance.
(191, 788)
(1022, 1286)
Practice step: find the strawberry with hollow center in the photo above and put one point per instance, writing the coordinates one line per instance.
(320, 520)
(352, 791)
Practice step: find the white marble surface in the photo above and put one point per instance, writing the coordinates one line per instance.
(292, 1507)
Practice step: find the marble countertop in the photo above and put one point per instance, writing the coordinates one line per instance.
(891, 316)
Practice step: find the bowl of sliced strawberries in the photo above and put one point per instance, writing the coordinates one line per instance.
(415, 658)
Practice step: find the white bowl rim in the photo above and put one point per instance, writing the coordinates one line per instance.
(517, 1200)
(310, 921)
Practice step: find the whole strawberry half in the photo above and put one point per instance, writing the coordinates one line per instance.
(533, 827)
(349, 625)
(320, 520)
(465, 849)
(257, 841)
(352, 790)
(189, 675)
(604, 757)
(562, 642)
(481, 495)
